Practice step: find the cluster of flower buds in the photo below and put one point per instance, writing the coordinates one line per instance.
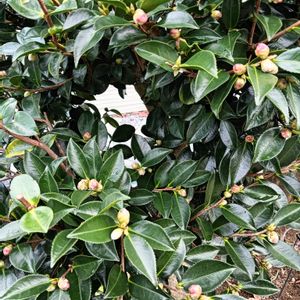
(90, 184)
(239, 69)
(195, 291)
(267, 65)
(286, 133)
(216, 14)
(7, 250)
(123, 217)
(272, 235)
(140, 17)
(136, 166)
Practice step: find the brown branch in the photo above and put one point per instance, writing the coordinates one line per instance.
(56, 2)
(206, 209)
(252, 31)
(248, 233)
(122, 254)
(38, 144)
(27, 205)
(49, 21)
(282, 32)
(166, 189)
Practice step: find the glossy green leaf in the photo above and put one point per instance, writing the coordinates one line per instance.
(26, 287)
(268, 145)
(181, 172)
(230, 12)
(287, 214)
(77, 17)
(11, 231)
(260, 287)
(139, 146)
(37, 220)
(238, 215)
(271, 24)
(26, 186)
(262, 83)
(155, 156)
(153, 234)
(284, 253)
(28, 9)
(181, 212)
(59, 294)
(117, 284)
(141, 255)
(202, 252)
(277, 97)
(94, 230)
(205, 83)
(178, 19)
(209, 274)
(85, 266)
(77, 160)
(123, 133)
(105, 22)
(33, 165)
(169, 262)
(22, 258)
(47, 182)
(61, 245)
(105, 251)
(66, 6)
(289, 60)
(158, 53)
(202, 60)
(23, 124)
(241, 256)
(293, 96)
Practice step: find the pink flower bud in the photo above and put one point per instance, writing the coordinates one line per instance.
(273, 237)
(249, 139)
(236, 188)
(174, 33)
(7, 250)
(93, 185)
(63, 283)
(116, 233)
(239, 83)
(195, 291)
(87, 136)
(286, 133)
(2, 74)
(83, 185)
(262, 51)
(216, 14)
(268, 66)
(239, 69)
(140, 17)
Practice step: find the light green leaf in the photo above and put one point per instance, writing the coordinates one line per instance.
(28, 9)
(277, 97)
(271, 24)
(11, 231)
(289, 60)
(66, 6)
(155, 156)
(37, 220)
(293, 96)
(178, 19)
(287, 214)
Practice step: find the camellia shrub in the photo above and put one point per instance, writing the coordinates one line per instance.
(195, 207)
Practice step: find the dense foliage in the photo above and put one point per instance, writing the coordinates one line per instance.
(201, 212)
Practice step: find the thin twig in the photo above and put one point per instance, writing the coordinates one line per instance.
(122, 254)
(166, 189)
(206, 209)
(249, 233)
(252, 31)
(38, 144)
(56, 2)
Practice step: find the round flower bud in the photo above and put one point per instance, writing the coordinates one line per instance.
(32, 57)
(140, 17)
(249, 139)
(93, 185)
(27, 94)
(116, 234)
(83, 185)
(119, 61)
(174, 33)
(123, 216)
(216, 14)
(227, 194)
(273, 237)
(158, 142)
(51, 287)
(195, 291)
(63, 283)
(282, 84)
(239, 69)
(182, 192)
(268, 66)
(7, 250)
(87, 136)
(142, 171)
(3, 74)
(239, 83)
(262, 50)
(135, 166)
(286, 133)
(2, 264)
(236, 189)
(100, 187)
(223, 203)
